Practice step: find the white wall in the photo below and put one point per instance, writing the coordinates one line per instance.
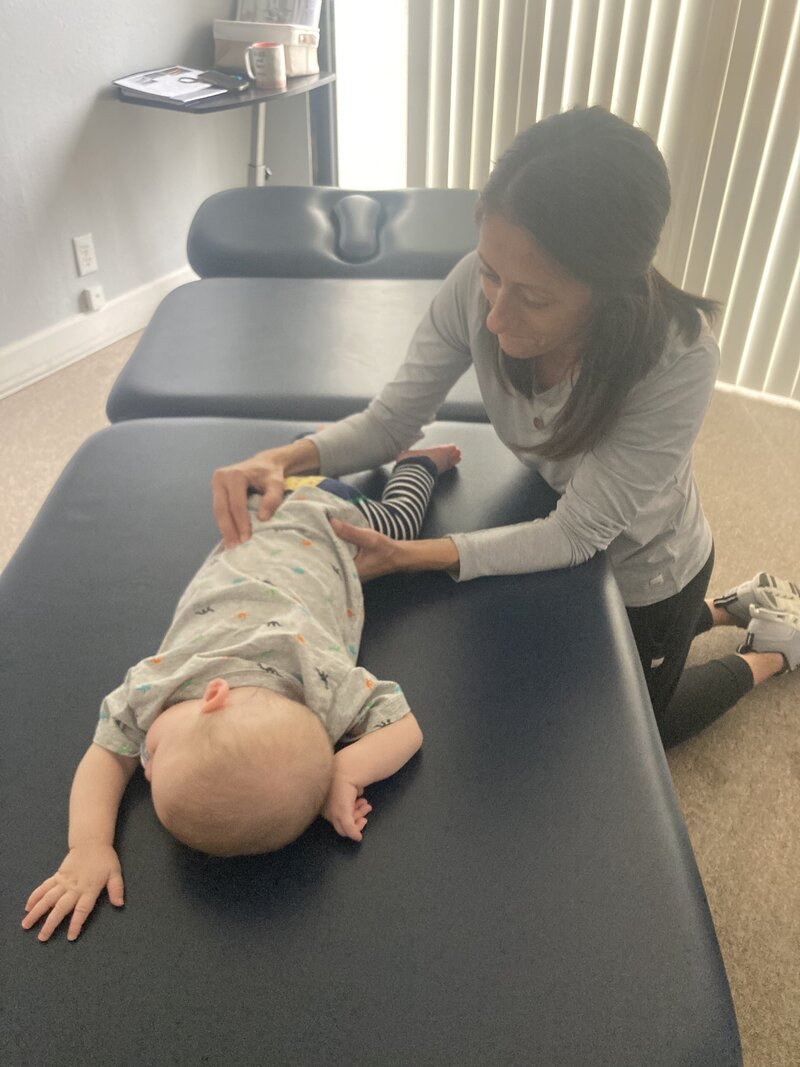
(75, 160)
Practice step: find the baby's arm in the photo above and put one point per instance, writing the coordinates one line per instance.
(91, 863)
(375, 756)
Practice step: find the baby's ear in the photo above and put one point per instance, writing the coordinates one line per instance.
(215, 696)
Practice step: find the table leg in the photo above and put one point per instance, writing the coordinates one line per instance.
(256, 171)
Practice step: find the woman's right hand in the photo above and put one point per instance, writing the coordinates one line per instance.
(263, 472)
(229, 485)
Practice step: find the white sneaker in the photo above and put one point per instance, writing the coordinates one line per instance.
(763, 591)
(774, 631)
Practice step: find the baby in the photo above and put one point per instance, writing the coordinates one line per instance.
(236, 715)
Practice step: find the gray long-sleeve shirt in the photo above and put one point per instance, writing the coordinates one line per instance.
(633, 495)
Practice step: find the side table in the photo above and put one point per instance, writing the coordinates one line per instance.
(257, 99)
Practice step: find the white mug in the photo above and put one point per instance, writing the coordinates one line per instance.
(266, 65)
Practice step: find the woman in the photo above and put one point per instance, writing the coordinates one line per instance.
(594, 370)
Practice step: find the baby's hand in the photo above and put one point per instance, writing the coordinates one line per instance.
(74, 889)
(346, 808)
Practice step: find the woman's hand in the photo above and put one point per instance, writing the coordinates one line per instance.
(377, 554)
(229, 487)
(263, 472)
(73, 890)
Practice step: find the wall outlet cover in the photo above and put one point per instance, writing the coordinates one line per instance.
(93, 299)
(85, 258)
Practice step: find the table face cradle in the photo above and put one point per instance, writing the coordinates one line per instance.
(295, 231)
(525, 893)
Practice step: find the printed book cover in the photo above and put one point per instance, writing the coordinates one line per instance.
(181, 85)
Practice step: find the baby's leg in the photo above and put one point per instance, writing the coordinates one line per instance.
(407, 493)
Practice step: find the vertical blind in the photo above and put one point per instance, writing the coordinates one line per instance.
(715, 82)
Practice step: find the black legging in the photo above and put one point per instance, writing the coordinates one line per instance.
(685, 699)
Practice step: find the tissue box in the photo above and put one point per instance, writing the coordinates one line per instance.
(300, 44)
(298, 12)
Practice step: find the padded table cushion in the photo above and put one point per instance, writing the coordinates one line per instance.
(326, 232)
(306, 348)
(525, 892)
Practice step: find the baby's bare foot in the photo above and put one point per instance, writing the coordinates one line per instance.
(444, 456)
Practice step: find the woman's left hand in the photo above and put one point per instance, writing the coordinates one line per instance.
(377, 554)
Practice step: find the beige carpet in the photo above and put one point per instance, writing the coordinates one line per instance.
(738, 783)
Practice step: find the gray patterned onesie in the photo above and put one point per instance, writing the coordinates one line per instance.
(283, 611)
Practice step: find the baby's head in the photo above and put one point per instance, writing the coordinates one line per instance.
(240, 771)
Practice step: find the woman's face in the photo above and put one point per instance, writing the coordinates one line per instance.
(536, 309)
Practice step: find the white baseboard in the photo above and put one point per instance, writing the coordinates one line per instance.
(27, 361)
(754, 394)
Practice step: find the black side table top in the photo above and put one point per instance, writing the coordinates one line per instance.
(295, 86)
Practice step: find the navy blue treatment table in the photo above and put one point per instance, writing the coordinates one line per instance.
(322, 231)
(525, 893)
(301, 348)
(308, 300)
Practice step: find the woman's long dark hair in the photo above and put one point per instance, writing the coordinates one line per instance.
(593, 192)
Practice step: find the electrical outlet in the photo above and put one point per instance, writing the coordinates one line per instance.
(93, 299)
(85, 258)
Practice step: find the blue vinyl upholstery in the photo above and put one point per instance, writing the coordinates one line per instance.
(301, 348)
(327, 232)
(525, 893)
(308, 300)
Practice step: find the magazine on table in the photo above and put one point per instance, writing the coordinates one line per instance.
(180, 85)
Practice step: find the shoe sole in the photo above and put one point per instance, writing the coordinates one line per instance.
(775, 594)
(774, 631)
